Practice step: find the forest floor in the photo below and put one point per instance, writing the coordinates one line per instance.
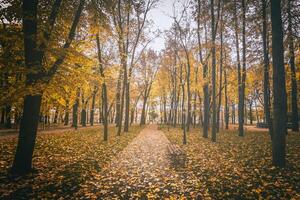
(54, 128)
(240, 167)
(64, 160)
(78, 164)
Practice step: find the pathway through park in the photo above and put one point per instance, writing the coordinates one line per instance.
(142, 170)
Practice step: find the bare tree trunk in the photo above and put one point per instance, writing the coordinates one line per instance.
(220, 76)
(242, 96)
(279, 91)
(143, 115)
(118, 98)
(205, 77)
(213, 71)
(66, 119)
(104, 92)
(127, 107)
(92, 113)
(266, 70)
(295, 122)
(188, 120)
(23, 159)
(233, 113)
(250, 112)
(165, 110)
(240, 106)
(226, 99)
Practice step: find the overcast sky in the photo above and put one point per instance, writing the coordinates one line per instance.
(162, 21)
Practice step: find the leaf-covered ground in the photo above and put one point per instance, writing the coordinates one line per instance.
(79, 165)
(65, 161)
(240, 167)
(142, 171)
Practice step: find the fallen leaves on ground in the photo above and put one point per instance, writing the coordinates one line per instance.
(142, 171)
(64, 162)
(240, 167)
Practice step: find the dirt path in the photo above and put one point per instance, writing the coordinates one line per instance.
(142, 170)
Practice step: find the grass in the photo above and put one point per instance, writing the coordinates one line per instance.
(65, 161)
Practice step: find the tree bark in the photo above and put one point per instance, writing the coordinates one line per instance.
(127, 107)
(22, 163)
(8, 116)
(104, 92)
(295, 121)
(213, 71)
(220, 75)
(240, 107)
(205, 77)
(92, 113)
(242, 96)
(226, 98)
(279, 91)
(143, 115)
(266, 70)
(75, 110)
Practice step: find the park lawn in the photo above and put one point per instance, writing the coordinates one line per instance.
(64, 161)
(239, 167)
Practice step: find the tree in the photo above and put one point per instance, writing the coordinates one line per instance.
(104, 90)
(266, 70)
(213, 72)
(22, 163)
(295, 121)
(205, 76)
(279, 91)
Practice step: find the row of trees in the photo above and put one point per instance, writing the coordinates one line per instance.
(72, 56)
(59, 60)
(221, 54)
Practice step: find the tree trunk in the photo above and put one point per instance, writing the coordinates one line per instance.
(183, 110)
(279, 91)
(266, 70)
(105, 112)
(165, 110)
(33, 61)
(242, 100)
(194, 110)
(250, 112)
(256, 112)
(8, 116)
(233, 113)
(184, 141)
(295, 122)
(66, 119)
(83, 117)
(22, 163)
(205, 77)
(122, 97)
(240, 107)
(104, 92)
(118, 97)
(127, 107)
(56, 116)
(2, 116)
(213, 72)
(188, 120)
(220, 76)
(132, 115)
(75, 111)
(92, 113)
(226, 99)
(143, 115)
